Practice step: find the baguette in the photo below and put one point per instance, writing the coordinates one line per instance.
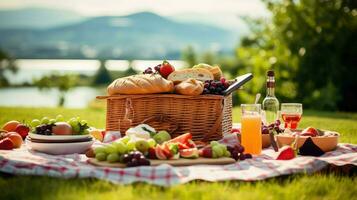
(184, 74)
(140, 84)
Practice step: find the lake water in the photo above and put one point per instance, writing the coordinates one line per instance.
(78, 97)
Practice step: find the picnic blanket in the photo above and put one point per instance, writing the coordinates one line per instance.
(27, 162)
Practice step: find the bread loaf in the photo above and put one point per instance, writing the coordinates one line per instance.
(216, 71)
(140, 84)
(184, 74)
(189, 87)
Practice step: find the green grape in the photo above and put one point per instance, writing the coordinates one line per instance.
(45, 120)
(227, 154)
(99, 150)
(125, 139)
(52, 121)
(113, 157)
(73, 122)
(85, 132)
(76, 128)
(35, 122)
(101, 156)
(83, 122)
(218, 151)
(214, 155)
(78, 119)
(121, 147)
(130, 145)
(110, 149)
(223, 147)
(59, 118)
(152, 142)
(214, 143)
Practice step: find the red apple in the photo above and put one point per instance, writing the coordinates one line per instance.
(23, 130)
(62, 128)
(6, 144)
(15, 138)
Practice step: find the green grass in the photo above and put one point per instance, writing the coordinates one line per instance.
(316, 186)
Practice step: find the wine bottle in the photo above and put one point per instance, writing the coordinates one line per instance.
(270, 103)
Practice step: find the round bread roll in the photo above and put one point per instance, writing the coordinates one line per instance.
(190, 87)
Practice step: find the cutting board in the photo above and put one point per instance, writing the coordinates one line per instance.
(179, 162)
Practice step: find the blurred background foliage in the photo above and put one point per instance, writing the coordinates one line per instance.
(312, 47)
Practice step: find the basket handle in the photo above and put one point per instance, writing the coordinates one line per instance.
(162, 118)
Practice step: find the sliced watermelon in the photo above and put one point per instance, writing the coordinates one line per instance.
(160, 153)
(183, 139)
(189, 153)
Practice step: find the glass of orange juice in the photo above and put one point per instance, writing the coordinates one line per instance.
(251, 136)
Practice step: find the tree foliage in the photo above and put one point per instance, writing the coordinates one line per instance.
(312, 47)
(6, 64)
(63, 83)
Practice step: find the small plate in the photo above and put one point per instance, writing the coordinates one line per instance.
(60, 148)
(58, 137)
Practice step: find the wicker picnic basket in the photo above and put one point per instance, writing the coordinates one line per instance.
(206, 117)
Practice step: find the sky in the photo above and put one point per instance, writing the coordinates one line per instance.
(162, 7)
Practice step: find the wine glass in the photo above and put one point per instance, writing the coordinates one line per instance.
(291, 114)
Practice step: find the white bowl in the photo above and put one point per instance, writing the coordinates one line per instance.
(58, 137)
(60, 148)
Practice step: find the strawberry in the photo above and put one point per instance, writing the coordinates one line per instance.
(152, 153)
(286, 153)
(235, 130)
(310, 131)
(166, 69)
(206, 152)
(23, 130)
(6, 144)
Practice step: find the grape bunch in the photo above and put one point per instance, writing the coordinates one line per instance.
(272, 127)
(150, 71)
(215, 87)
(135, 158)
(44, 129)
(237, 152)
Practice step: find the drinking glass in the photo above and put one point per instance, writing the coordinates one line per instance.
(251, 136)
(291, 114)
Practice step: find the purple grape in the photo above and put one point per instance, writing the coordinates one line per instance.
(241, 156)
(265, 131)
(277, 122)
(126, 158)
(248, 156)
(240, 148)
(144, 161)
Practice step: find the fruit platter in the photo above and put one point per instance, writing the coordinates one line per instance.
(142, 145)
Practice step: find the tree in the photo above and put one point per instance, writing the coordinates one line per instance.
(311, 45)
(63, 83)
(102, 76)
(6, 64)
(189, 55)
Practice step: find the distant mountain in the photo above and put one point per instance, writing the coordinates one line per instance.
(37, 18)
(141, 35)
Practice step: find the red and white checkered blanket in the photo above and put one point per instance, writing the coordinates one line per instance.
(24, 162)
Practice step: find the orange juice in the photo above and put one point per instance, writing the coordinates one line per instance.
(251, 135)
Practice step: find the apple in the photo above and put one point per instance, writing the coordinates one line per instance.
(62, 128)
(15, 138)
(10, 126)
(6, 144)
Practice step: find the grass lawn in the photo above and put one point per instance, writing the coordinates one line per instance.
(303, 186)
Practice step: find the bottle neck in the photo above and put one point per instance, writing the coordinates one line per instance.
(271, 86)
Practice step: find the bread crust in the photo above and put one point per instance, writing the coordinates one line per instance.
(140, 84)
(200, 74)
